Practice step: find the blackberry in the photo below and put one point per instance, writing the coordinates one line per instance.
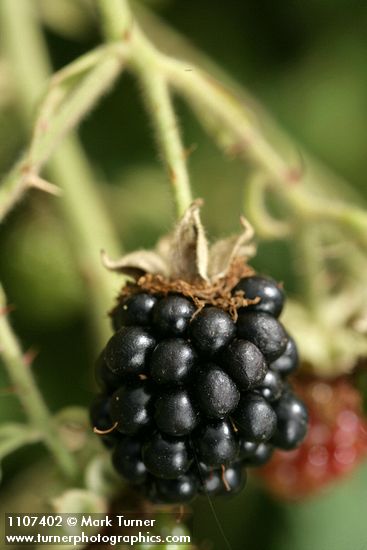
(288, 361)
(217, 395)
(211, 330)
(136, 310)
(100, 419)
(222, 482)
(271, 294)
(173, 361)
(182, 489)
(130, 407)
(245, 363)
(105, 378)
(216, 444)
(255, 418)
(194, 380)
(165, 457)
(254, 454)
(264, 331)
(292, 421)
(271, 387)
(171, 315)
(127, 460)
(175, 413)
(127, 351)
(335, 444)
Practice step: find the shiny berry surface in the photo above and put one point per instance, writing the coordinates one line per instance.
(271, 294)
(193, 391)
(173, 361)
(175, 413)
(127, 460)
(130, 407)
(264, 331)
(136, 310)
(127, 351)
(165, 457)
(245, 363)
(288, 361)
(171, 315)
(216, 444)
(255, 418)
(216, 393)
(211, 330)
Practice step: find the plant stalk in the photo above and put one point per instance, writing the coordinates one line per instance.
(83, 209)
(21, 376)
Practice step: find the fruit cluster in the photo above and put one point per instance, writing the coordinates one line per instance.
(335, 444)
(193, 397)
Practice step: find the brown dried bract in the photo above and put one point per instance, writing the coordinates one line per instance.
(217, 293)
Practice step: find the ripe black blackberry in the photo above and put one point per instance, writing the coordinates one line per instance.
(193, 380)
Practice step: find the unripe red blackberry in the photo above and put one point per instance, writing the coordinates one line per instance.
(193, 378)
(335, 444)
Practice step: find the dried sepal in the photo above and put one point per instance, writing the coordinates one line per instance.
(189, 251)
(184, 255)
(136, 263)
(223, 252)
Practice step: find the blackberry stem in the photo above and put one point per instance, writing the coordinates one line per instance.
(21, 376)
(145, 60)
(159, 106)
(228, 118)
(82, 206)
(309, 265)
(116, 19)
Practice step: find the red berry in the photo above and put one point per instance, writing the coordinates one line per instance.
(336, 441)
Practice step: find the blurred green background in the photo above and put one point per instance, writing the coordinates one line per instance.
(306, 63)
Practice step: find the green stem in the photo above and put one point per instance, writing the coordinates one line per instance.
(309, 266)
(82, 100)
(230, 122)
(83, 208)
(311, 209)
(21, 376)
(117, 19)
(255, 208)
(160, 109)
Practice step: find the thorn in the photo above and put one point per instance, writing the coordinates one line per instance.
(8, 390)
(196, 204)
(7, 309)
(44, 125)
(293, 175)
(29, 356)
(172, 174)
(189, 150)
(43, 185)
(238, 148)
(104, 432)
(225, 482)
(296, 173)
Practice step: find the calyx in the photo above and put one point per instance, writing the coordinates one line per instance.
(183, 262)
